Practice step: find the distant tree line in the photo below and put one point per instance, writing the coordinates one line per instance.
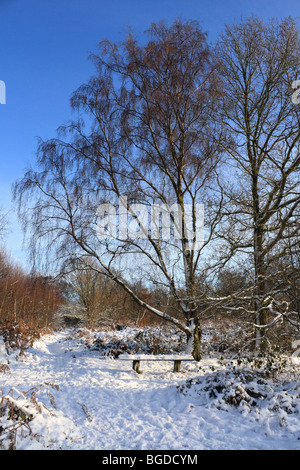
(29, 299)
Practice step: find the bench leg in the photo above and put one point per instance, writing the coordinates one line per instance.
(136, 366)
(177, 365)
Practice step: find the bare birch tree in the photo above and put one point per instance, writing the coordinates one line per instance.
(143, 137)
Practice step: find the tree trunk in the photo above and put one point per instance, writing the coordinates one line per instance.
(260, 290)
(194, 339)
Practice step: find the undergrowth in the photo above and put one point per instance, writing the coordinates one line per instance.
(18, 409)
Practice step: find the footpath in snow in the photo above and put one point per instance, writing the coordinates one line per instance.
(71, 398)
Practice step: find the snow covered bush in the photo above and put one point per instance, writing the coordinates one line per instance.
(149, 340)
(15, 416)
(31, 418)
(265, 400)
(18, 336)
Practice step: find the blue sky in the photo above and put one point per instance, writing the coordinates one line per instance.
(44, 49)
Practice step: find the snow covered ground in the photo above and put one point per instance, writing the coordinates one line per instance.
(63, 395)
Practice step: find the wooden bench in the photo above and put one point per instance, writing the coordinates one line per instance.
(137, 358)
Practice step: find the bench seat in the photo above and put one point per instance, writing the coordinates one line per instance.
(136, 358)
